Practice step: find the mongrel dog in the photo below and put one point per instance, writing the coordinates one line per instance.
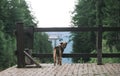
(57, 53)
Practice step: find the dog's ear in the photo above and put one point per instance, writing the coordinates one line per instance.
(65, 43)
(61, 43)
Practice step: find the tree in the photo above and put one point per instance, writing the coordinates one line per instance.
(112, 19)
(12, 11)
(84, 16)
(42, 45)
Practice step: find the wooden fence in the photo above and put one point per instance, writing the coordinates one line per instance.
(20, 36)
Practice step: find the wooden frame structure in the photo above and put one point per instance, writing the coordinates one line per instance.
(20, 42)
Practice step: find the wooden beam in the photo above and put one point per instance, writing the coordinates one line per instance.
(99, 46)
(111, 29)
(30, 57)
(20, 45)
(78, 55)
(75, 29)
(99, 17)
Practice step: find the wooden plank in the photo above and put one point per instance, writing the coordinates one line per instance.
(76, 69)
(46, 71)
(30, 57)
(94, 68)
(65, 72)
(97, 73)
(110, 73)
(76, 29)
(60, 29)
(104, 71)
(86, 69)
(60, 70)
(71, 70)
(100, 70)
(75, 55)
(111, 29)
(116, 67)
(44, 68)
(80, 70)
(112, 69)
(90, 69)
(54, 71)
(20, 45)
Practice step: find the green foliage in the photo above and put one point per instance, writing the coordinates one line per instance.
(42, 45)
(83, 43)
(112, 19)
(87, 13)
(106, 49)
(12, 11)
(84, 13)
(84, 16)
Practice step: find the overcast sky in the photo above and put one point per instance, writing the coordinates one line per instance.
(52, 13)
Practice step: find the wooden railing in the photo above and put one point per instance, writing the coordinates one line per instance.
(20, 34)
(78, 55)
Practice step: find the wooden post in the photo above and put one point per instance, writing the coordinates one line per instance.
(20, 45)
(99, 4)
(99, 46)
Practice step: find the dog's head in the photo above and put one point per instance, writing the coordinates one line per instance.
(63, 44)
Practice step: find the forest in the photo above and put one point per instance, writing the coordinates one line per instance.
(85, 15)
(11, 12)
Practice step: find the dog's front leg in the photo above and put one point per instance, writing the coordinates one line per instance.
(54, 56)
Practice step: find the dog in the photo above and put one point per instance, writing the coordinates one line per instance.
(57, 53)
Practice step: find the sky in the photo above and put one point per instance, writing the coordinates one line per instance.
(52, 13)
